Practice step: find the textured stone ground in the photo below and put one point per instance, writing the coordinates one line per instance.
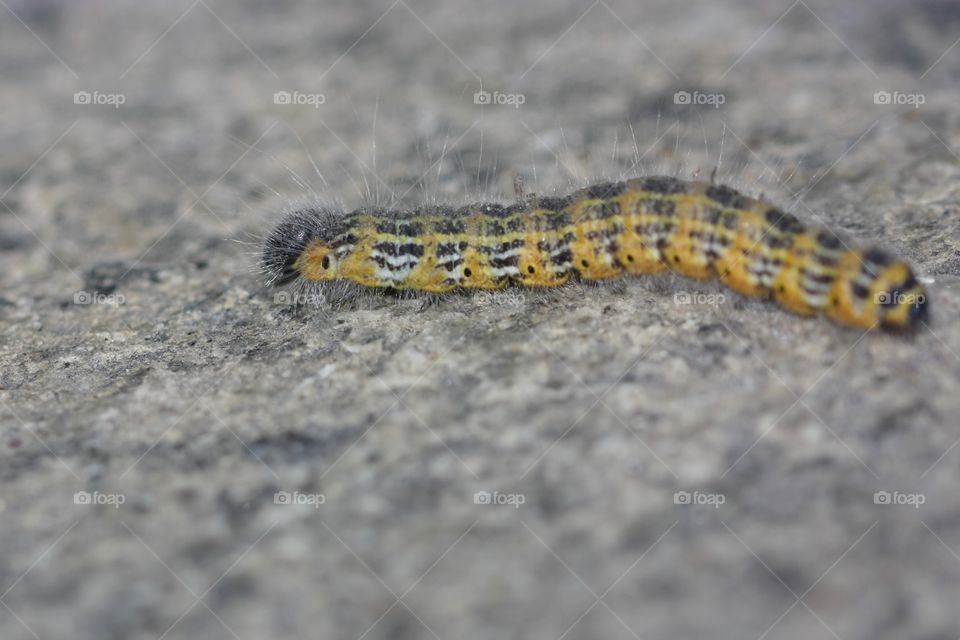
(186, 393)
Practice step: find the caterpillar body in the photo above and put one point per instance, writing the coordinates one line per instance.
(639, 226)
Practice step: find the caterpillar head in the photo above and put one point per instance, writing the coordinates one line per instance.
(302, 245)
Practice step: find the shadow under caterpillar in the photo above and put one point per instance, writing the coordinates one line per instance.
(644, 225)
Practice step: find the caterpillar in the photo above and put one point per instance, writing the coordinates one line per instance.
(639, 226)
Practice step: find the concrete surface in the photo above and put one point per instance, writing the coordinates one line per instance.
(182, 399)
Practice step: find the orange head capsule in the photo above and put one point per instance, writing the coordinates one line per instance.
(301, 245)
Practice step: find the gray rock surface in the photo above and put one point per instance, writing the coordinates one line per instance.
(184, 392)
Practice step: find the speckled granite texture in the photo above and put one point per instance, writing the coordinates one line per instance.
(183, 456)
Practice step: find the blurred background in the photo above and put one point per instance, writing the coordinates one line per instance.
(188, 99)
(183, 457)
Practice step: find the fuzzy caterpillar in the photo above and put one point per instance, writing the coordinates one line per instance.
(644, 225)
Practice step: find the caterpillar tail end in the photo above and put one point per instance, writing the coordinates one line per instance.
(894, 300)
(904, 308)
